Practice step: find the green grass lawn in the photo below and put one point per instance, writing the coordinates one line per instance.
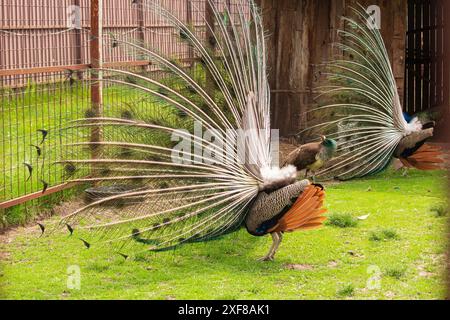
(397, 252)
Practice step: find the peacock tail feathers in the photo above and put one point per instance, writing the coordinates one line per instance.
(361, 101)
(153, 191)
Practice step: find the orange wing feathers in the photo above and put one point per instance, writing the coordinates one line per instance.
(427, 157)
(306, 213)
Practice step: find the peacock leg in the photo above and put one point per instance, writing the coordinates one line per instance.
(276, 244)
(276, 239)
(405, 172)
(306, 173)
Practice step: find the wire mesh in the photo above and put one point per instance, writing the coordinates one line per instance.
(44, 76)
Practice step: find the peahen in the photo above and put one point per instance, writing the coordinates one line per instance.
(161, 169)
(360, 97)
(312, 156)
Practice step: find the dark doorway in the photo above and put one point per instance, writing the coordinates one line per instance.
(426, 67)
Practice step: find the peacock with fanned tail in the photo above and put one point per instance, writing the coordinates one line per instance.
(362, 103)
(152, 191)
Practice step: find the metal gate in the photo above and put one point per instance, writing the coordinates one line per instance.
(426, 65)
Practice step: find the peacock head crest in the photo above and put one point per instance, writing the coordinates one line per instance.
(328, 143)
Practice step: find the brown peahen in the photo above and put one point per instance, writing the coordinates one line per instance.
(360, 96)
(162, 177)
(312, 156)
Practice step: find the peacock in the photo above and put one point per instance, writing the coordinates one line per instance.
(196, 158)
(360, 104)
(312, 156)
(413, 152)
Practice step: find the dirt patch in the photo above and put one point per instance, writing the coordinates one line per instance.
(434, 260)
(355, 254)
(7, 235)
(299, 267)
(4, 240)
(332, 264)
(68, 207)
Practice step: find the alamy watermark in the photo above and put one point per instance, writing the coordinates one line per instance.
(374, 281)
(213, 146)
(74, 277)
(73, 14)
(374, 19)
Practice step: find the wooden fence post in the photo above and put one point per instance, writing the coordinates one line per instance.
(210, 21)
(190, 53)
(141, 27)
(78, 41)
(96, 38)
(445, 5)
(446, 85)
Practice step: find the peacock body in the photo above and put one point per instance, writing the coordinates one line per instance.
(199, 164)
(312, 156)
